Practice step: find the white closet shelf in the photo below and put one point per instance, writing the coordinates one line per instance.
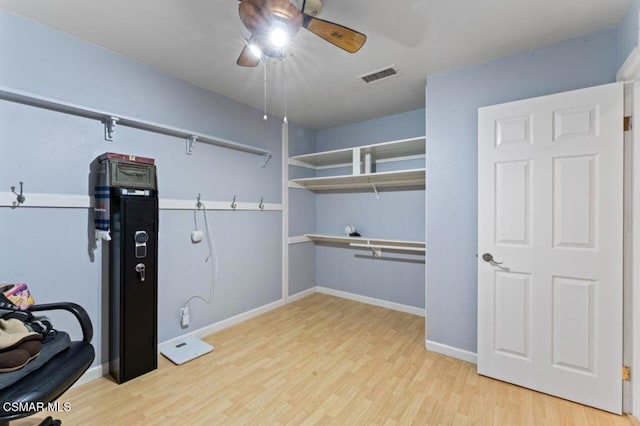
(402, 178)
(31, 99)
(380, 151)
(367, 242)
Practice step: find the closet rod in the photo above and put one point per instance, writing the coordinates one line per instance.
(389, 247)
(31, 99)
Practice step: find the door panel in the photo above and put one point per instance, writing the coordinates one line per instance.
(574, 202)
(577, 122)
(512, 304)
(574, 308)
(513, 130)
(550, 209)
(512, 202)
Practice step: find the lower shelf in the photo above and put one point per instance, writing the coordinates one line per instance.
(372, 243)
(395, 179)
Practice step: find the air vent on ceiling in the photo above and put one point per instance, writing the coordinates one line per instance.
(380, 74)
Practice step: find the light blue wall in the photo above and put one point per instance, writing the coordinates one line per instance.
(397, 214)
(302, 267)
(452, 106)
(51, 152)
(628, 32)
(391, 127)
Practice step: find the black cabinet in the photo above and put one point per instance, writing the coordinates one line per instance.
(133, 275)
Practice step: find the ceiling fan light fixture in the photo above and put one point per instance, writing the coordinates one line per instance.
(278, 36)
(255, 49)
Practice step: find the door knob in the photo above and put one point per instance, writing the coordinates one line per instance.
(488, 257)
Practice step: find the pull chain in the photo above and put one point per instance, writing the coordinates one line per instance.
(285, 96)
(265, 92)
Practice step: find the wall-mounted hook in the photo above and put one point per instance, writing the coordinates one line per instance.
(233, 203)
(20, 198)
(261, 204)
(198, 203)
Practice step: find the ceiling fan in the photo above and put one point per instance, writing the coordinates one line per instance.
(273, 23)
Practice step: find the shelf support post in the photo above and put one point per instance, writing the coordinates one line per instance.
(356, 161)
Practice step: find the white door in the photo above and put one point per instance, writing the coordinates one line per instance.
(550, 197)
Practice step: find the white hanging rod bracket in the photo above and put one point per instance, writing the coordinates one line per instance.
(191, 141)
(265, 159)
(110, 128)
(376, 191)
(375, 250)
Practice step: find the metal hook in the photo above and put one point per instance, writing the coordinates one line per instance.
(261, 205)
(20, 198)
(233, 203)
(198, 203)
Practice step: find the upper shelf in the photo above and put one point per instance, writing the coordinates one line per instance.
(344, 157)
(395, 179)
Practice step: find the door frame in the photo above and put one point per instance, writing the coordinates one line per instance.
(629, 73)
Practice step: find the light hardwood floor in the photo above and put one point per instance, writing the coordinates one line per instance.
(321, 360)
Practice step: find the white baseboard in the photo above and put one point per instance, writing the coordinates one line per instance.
(93, 373)
(447, 350)
(372, 301)
(221, 325)
(302, 294)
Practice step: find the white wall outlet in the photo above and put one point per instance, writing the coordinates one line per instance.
(184, 317)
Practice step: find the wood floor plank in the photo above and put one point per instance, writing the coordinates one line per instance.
(320, 360)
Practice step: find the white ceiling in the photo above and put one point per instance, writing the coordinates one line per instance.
(200, 40)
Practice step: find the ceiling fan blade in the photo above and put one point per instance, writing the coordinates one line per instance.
(338, 35)
(247, 59)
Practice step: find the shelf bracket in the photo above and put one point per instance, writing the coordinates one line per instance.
(191, 141)
(265, 159)
(376, 251)
(110, 128)
(376, 191)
